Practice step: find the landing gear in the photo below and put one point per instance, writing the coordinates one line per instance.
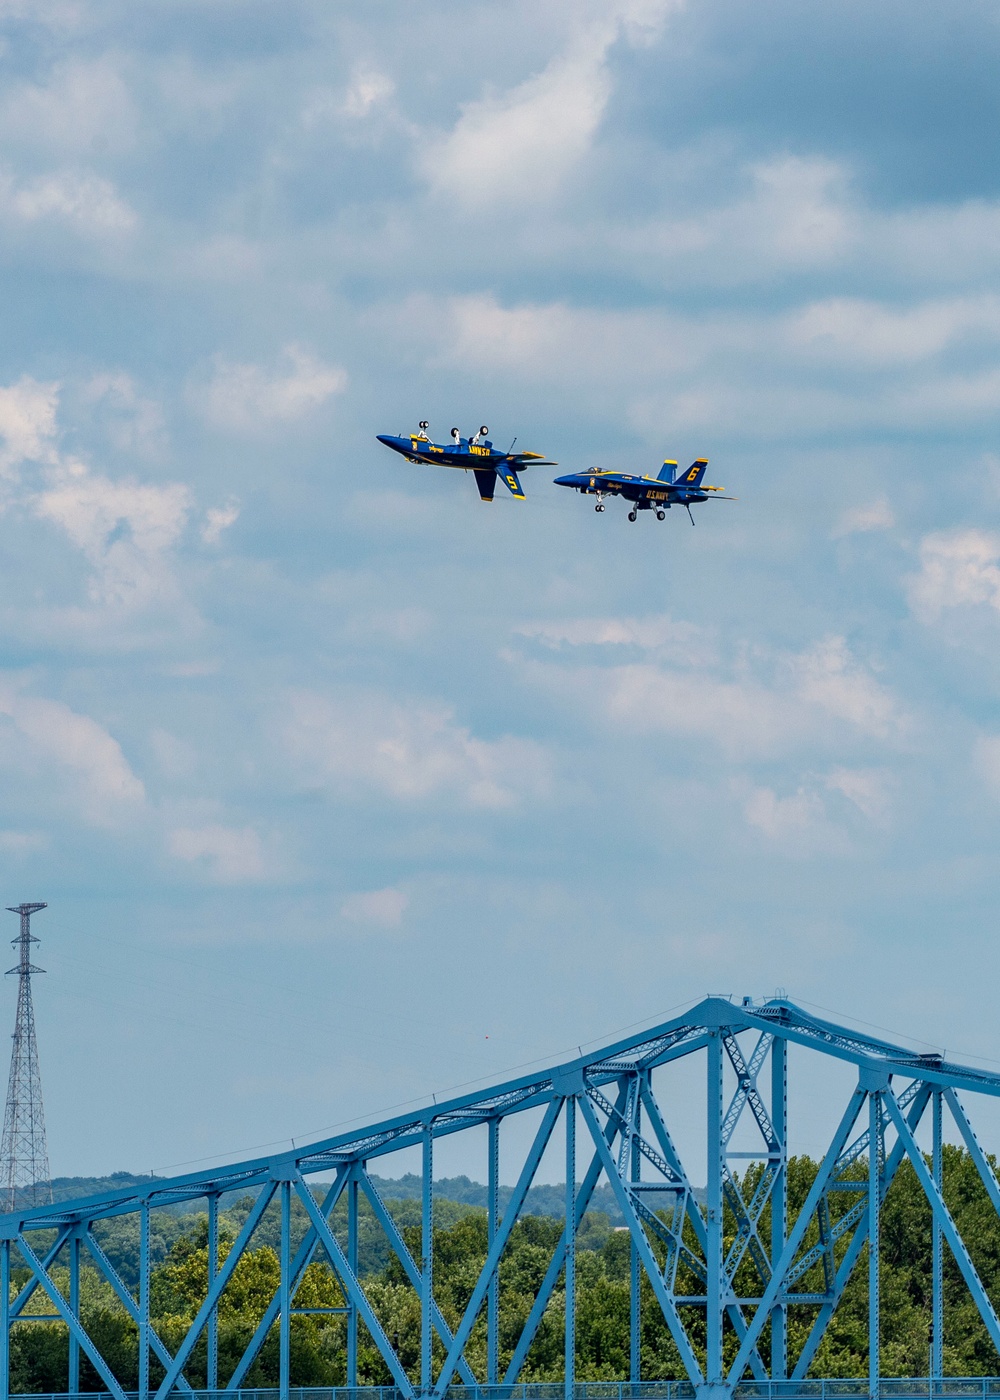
(661, 515)
(599, 507)
(633, 515)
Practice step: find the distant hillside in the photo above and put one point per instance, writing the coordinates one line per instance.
(68, 1188)
(541, 1200)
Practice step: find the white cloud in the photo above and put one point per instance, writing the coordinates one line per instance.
(735, 372)
(188, 670)
(523, 143)
(230, 855)
(763, 704)
(798, 825)
(20, 844)
(81, 104)
(104, 784)
(59, 16)
(218, 519)
(798, 210)
(964, 398)
(127, 530)
(957, 568)
(859, 332)
(937, 242)
(874, 515)
(742, 716)
(559, 342)
(794, 212)
(828, 676)
(348, 113)
(133, 423)
(383, 908)
(124, 528)
(85, 202)
(367, 89)
(681, 640)
(783, 818)
(246, 397)
(411, 752)
(868, 788)
(804, 211)
(27, 423)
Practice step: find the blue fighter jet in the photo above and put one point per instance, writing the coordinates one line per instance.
(474, 454)
(657, 493)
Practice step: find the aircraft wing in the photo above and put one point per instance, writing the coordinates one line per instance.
(486, 481)
(509, 478)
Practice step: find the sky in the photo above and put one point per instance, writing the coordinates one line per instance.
(344, 788)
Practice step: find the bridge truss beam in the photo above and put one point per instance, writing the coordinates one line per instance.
(726, 1265)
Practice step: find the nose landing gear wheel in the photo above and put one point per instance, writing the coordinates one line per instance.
(661, 515)
(598, 508)
(633, 515)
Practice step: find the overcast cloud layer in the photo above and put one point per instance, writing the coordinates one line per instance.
(343, 787)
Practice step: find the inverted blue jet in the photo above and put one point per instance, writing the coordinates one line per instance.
(474, 454)
(657, 493)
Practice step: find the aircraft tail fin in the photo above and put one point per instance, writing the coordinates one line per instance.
(694, 474)
(509, 478)
(668, 471)
(486, 481)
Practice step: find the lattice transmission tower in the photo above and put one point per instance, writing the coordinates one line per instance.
(24, 1159)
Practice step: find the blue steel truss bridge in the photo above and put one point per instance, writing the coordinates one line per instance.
(728, 1264)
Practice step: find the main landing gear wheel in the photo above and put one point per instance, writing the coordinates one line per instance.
(633, 515)
(598, 507)
(661, 515)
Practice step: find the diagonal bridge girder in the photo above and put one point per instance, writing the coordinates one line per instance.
(720, 1258)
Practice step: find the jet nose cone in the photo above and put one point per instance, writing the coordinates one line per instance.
(564, 480)
(384, 437)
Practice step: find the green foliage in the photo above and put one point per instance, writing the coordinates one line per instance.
(39, 1351)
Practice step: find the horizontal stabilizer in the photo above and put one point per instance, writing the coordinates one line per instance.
(693, 476)
(509, 478)
(486, 481)
(668, 471)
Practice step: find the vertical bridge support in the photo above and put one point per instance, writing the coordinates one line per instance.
(874, 1085)
(715, 1159)
(726, 1276)
(570, 1320)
